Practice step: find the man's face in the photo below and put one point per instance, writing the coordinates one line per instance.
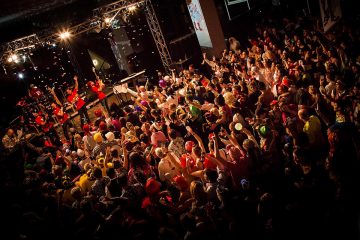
(292, 89)
(356, 90)
(10, 132)
(68, 91)
(235, 92)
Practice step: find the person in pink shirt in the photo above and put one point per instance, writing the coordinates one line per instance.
(158, 138)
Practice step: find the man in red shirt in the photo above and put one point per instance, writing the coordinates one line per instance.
(42, 121)
(79, 103)
(97, 89)
(63, 119)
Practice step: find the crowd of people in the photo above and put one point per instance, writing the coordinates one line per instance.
(265, 147)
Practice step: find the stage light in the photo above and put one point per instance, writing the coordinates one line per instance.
(21, 75)
(10, 59)
(95, 62)
(24, 57)
(107, 20)
(132, 8)
(64, 35)
(14, 58)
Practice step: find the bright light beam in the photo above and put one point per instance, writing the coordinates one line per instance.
(107, 20)
(64, 35)
(132, 8)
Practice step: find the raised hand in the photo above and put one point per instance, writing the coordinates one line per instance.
(188, 128)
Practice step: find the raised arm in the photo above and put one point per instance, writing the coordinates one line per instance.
(232, 139)
(126, 157)
(207, 61)
(197, 137)
(250, 136)
(107, 156)
(136, 100)
(178, 165)
(52, 91)
(173, 75)
(218, 161)
(76, 82)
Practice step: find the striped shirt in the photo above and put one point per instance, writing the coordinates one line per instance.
(100, 148)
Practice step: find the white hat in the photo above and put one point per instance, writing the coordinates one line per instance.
(80, 152)
(110, 136)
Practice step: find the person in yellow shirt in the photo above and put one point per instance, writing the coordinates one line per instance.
(85, 182)
(312, 127)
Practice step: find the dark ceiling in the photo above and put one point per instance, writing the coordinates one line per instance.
(19, 18)
(11, 7)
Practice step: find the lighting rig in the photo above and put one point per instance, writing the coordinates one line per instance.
(102, 18)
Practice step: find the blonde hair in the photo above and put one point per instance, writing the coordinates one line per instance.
(197, 191)
(229, 98)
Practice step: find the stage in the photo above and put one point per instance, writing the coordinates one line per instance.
(111, 96)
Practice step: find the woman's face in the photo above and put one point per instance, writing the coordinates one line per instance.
(339, 87)
(312, 89)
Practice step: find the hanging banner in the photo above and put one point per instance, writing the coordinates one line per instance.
(330, 11)
(199, 23)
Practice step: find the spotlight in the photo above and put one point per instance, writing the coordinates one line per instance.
(14, 58)
(132, 8)
(21, 75)
(10, 59)
(107, 20)
(24, 57)
(95, 62)
(64, 35)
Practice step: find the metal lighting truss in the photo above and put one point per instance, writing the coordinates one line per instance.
(116, 6)
(158, 36)
(22, 43)
(109, 11)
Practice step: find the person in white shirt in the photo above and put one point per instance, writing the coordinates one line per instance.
(82, 159)
(331, 84)
(167, 168)
(89, 142)
(177, 144)
(11, 139)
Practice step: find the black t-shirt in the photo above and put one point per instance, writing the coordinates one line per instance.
(252, 100)
(114, 187)
(133, 118)
(178, 128)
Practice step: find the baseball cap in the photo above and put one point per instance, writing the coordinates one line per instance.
(98, 138)
(110, 136)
